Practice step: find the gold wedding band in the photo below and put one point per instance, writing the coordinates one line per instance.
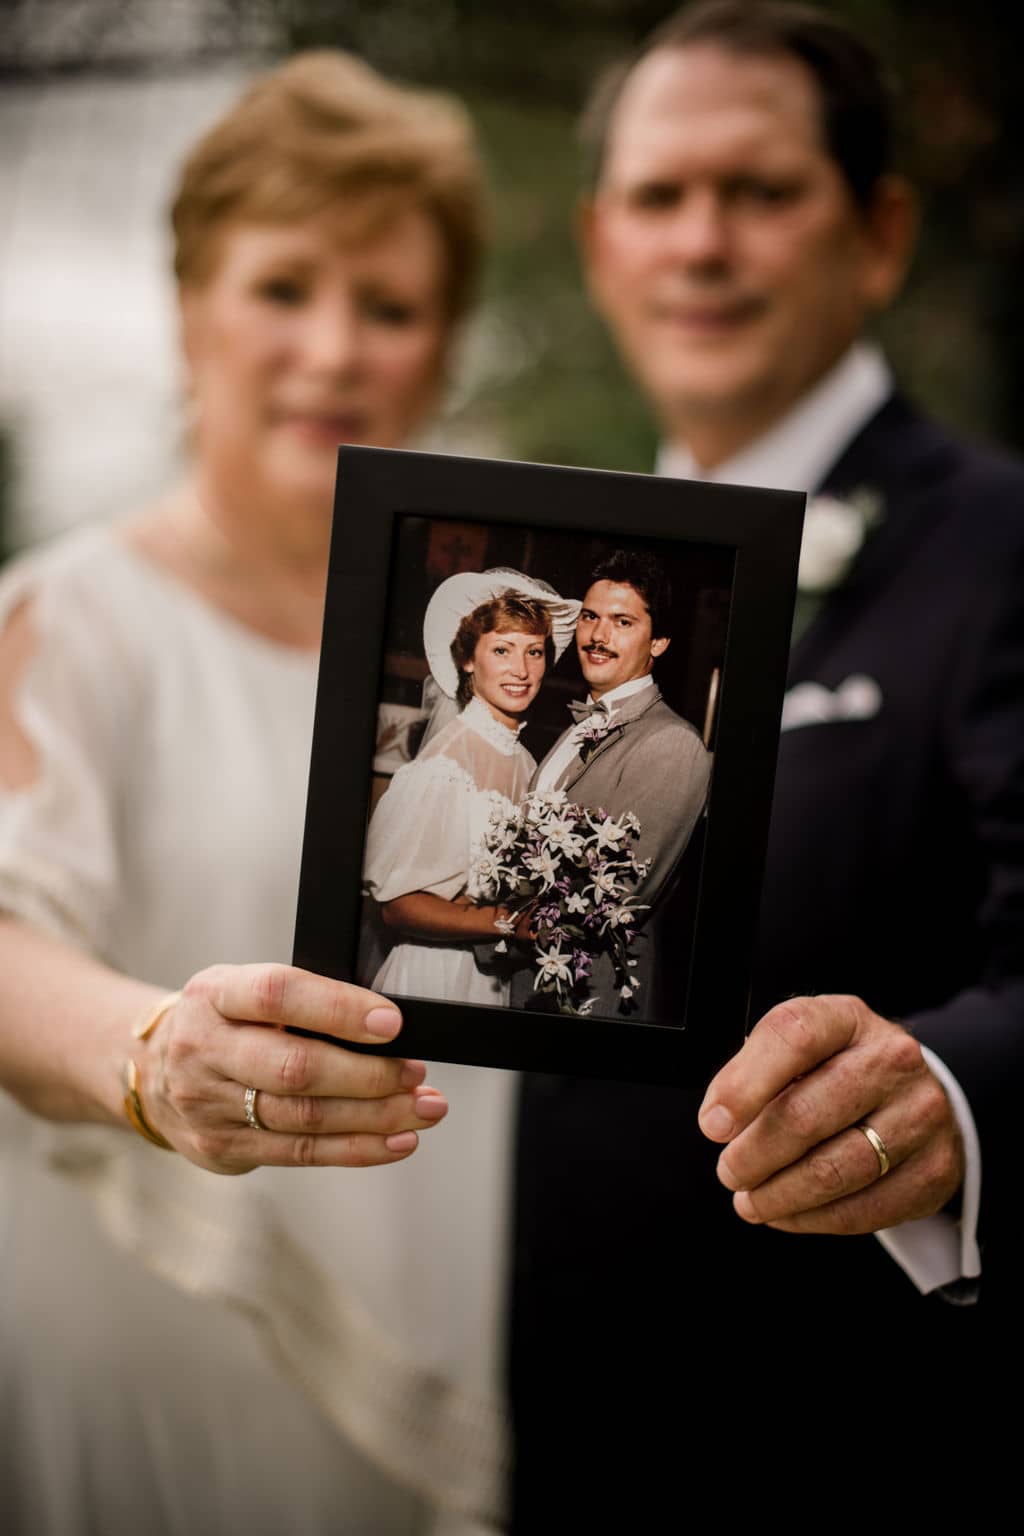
(252, 1119)
(880, 1149)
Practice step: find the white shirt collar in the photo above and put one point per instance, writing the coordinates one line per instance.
(615, 696)
(796, 454)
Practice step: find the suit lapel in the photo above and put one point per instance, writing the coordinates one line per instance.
(900, 456)
(629, 710)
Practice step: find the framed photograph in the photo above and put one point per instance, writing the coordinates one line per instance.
(543, 757)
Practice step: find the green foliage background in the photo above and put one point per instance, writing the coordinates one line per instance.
(542, 380)
(553, 385)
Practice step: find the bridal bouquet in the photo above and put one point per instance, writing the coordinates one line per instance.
(575, 866)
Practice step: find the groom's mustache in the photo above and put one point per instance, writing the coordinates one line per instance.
(598, 650)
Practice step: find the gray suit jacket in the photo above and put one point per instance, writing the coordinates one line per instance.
(652, 762)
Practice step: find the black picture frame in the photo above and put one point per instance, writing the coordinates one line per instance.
(754, 535)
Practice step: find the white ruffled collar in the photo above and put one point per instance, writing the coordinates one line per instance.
(478, 716)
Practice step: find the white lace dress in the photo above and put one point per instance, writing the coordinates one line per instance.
(312, 1351)
(424, 836)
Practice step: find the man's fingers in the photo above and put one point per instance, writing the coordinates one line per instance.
(789, 1105)
(848, 1088)
(285, 996)
(821, 1104)
(841, 1166)
(918, 1187)
(790, 1040)
(917, 1168)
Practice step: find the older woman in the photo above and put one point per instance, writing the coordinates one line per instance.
(156, 694)
(488, 638)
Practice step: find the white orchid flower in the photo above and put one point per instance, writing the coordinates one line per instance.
(605, 883)
(561, 834)
(609, 834)
(545, 865)
(552, 965)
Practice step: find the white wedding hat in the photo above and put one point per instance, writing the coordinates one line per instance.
(461, 593)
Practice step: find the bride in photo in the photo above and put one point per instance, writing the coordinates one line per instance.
(489, 638)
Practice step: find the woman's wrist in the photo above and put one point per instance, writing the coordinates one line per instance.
(481, 922)
(104, 1088)
(131, 1080)
(75, 1073)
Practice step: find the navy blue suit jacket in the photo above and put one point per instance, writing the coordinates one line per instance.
(895, 871)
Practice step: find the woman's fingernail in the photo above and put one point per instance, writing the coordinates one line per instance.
(401, 1141)
(383, 1022)
(430, 1105)
(412, 1074)
(716, 1122)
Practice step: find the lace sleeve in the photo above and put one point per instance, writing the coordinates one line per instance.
(58, 859)
(420, 832)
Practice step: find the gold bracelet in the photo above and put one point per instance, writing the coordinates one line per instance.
(145, 1027)
(134, 1110)
(130, 1073)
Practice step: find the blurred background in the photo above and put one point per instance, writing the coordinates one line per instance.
(100, 98)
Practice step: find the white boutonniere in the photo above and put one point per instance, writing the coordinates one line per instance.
(834, 532)
(594, 732)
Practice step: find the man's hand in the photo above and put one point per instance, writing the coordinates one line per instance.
(789, 1103)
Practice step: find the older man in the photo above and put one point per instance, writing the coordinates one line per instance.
(745, 224)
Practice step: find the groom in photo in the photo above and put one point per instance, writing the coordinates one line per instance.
(771, 1287)
(627, 751)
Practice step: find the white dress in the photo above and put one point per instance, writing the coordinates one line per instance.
(294, 1351)
(424, 836)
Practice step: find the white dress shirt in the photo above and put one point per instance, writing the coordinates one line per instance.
(795, 455)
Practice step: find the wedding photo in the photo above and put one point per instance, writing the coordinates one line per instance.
(545, 733)
(542, 764)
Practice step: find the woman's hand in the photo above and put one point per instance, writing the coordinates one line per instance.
(320, 1105)
(523, 929)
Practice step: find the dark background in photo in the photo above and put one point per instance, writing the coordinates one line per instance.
(428, 551)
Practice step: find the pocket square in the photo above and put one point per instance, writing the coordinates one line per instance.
(858, 698)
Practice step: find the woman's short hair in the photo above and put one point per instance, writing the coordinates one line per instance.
(499, 615)
(323, 130)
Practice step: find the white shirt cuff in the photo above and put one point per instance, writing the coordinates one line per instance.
(936, 1250)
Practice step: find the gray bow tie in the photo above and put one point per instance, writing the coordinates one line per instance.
(582, 711)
